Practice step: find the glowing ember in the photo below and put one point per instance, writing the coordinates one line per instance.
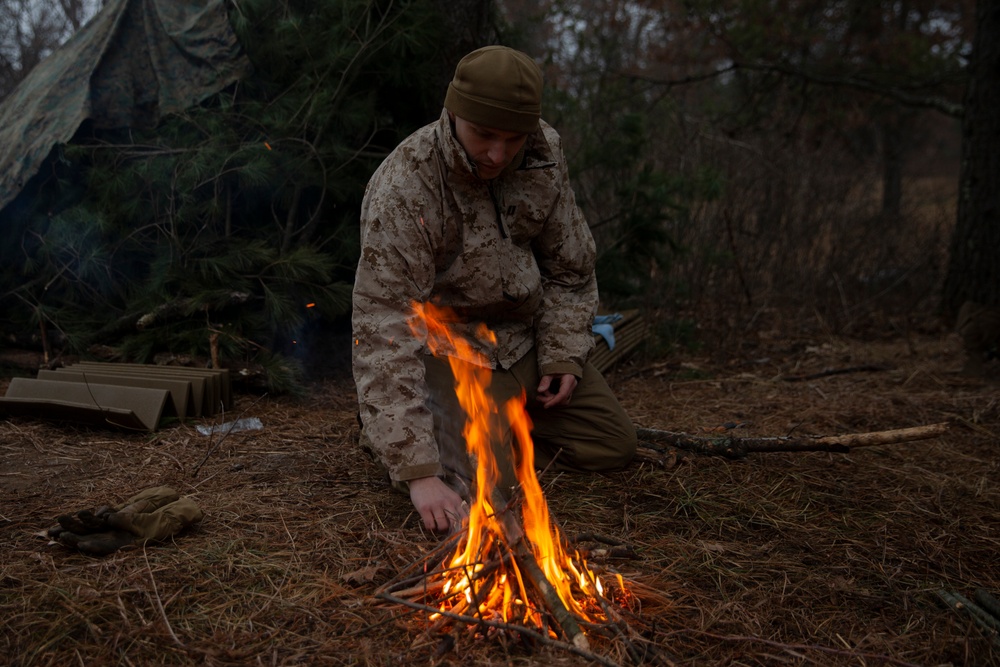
(489, 575)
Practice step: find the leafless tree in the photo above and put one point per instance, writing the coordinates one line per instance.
(973, 273)
(31, 29)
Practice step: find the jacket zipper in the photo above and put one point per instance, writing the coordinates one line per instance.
(503, 235)
(496, 209)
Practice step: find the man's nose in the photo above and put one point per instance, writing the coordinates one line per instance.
(497, 152)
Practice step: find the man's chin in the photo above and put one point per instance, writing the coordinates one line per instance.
(488, 173)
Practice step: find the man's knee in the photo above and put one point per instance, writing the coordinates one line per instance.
(626, 448)
(604, 453)
(617, 451)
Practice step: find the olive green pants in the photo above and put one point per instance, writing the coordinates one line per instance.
(590, 434)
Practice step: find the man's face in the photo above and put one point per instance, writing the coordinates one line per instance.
(490, 149)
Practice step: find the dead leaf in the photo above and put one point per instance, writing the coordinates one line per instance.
(365, 575)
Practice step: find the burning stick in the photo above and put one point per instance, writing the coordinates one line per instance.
(571, 629)
(404, 579)
(529, 566)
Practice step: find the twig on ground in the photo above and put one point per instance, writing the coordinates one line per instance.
(620, 627)
(159, 603)
(404, 578)
(212, 448)
(866, 368)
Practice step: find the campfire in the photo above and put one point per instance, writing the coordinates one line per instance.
(509, 572)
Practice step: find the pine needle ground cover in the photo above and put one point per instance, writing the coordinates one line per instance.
(776, 559)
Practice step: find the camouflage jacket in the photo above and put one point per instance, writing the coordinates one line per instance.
(514, 253)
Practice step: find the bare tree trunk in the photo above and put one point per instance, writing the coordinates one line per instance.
(974, 264)
(893, 141)
(472, 24)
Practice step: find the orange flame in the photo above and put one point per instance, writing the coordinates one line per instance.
(501, 594)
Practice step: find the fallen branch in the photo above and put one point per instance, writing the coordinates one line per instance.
(988, 624)
(736, 448)
(183, 308)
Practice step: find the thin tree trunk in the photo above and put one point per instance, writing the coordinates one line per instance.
(974, 265)
(892, 167)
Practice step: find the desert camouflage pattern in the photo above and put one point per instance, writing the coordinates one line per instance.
(132, 63)
(514, 253)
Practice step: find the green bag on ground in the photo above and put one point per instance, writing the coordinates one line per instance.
(153, 515)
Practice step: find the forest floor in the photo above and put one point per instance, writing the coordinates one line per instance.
(811, 558)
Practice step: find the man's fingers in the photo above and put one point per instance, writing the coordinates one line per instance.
(436, 521)
(438, 505)
(430, 521)
(562, 398)
(563, 387)
(459, 517)
(459, 512)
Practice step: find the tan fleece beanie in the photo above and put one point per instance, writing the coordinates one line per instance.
(497, 87)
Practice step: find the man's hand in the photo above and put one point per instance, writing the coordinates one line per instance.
(556, 390)
(438, 505)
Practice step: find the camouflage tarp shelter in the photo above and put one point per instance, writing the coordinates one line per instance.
(132, 63)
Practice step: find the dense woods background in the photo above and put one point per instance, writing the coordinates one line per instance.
(790, 161)
(797, 194)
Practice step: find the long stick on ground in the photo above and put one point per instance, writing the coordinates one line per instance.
(734, 447)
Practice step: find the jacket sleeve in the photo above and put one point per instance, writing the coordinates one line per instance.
(567, 257)
(395, 270)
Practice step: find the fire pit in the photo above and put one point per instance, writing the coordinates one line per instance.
(508, 574)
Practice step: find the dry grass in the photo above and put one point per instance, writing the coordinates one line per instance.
(799, 559)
